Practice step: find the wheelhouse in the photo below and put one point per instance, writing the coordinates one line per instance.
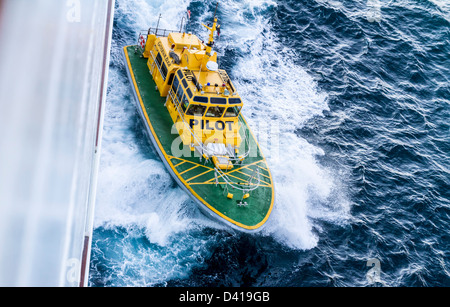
(201, 99)
(212, 116)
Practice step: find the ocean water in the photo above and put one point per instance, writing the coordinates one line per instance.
(351, 103)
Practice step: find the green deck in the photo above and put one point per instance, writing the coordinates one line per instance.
(195, 177)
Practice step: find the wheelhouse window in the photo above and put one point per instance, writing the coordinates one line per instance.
(164, 71)
(234, 101)
(218, 100)
(232, 112)
(189, 92)
(175, 85)
(161, 66)
(171, 79)
(185, 104)
(180, 94)
(180, 91)
(215, 112)
(180, 74)
(159, 59)
(196, 110)
(177, 90)
(201, 99)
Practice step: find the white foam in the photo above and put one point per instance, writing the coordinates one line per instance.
(142, 14)
(135, 191)
(280, 97)
(134, 188)
(444, 7)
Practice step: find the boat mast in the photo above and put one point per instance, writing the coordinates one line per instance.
(157, 25)
(211, 34)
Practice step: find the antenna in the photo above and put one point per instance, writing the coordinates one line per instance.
(181, 27)
(157, 25)
(211, 35)
(217, 5)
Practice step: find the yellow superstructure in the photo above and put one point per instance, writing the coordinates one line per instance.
(201, 98)
(192, 114)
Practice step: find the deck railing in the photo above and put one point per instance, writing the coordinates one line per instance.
(161, 32)
(246, 186)
(156, 31)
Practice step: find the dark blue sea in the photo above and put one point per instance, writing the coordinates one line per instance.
(351, 103)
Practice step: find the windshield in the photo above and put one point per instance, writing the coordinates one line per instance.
(196, 110)
(215, 112)
(232, 112)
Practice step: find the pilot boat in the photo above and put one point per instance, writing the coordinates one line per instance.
(193, 117)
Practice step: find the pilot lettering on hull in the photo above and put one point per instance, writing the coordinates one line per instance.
(205, 124)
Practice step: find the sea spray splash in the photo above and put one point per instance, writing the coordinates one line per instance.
(280, 97)
(147, 230)
(397, 219)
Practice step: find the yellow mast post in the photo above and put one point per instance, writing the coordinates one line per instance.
(208, 53)
(211, 37)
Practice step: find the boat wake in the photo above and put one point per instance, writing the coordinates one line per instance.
(280, 98)
(147, 230)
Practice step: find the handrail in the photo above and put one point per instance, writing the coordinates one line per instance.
(156, 32)
(156, 64)
(249, 185)
(181, 114)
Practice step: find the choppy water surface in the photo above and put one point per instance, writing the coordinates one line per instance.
(354, 96)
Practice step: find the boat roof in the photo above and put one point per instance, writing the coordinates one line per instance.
(182, 40)
(212, 82)
(213, 86)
